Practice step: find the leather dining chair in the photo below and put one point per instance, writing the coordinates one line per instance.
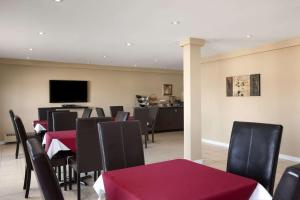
(42, 112)
(100, 112)
(63, 121)
(121, 144)
(55, 162)
(88, 155)
(44, 172)
(87, 113)
(289, 184)
(254, 150)
(50, 118)
(143, 115)
(114, 110)
(29, 134)
(121, 116)
(153, 112)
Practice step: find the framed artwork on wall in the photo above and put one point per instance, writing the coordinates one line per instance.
(242, 86)
(167, 89)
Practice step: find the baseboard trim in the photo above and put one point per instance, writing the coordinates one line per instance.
(225, 145)
(2, 142)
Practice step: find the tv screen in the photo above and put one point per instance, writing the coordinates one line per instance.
(68, 91)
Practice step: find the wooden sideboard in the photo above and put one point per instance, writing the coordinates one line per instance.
(169, 119)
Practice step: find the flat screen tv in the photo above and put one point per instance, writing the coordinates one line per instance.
(65, 91)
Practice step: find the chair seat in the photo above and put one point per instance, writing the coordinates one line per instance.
(72, 162)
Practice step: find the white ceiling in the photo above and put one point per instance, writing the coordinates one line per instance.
(84, 31)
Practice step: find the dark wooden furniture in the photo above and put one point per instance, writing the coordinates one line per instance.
(169, 119)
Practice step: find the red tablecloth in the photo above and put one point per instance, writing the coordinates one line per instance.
(176, 180)
(44, 123)
(68, 138)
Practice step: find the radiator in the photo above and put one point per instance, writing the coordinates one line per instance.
(10, 137)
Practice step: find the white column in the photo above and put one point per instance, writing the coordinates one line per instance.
(192, 97)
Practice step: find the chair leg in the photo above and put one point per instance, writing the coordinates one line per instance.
(152, 136)
(65, 177)
(28, 180)
(78, 186)
(25, 178)
(70, 177)
(17, 150)
(146, 136)
(59, 173)
(95, 175)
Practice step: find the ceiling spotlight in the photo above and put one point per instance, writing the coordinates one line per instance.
(58, 1)
(104, 56)
(41, 33)
(128, 44)
(30, 49)
(248, 36)
(175, 22)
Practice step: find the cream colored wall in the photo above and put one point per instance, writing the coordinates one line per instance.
(25, 88)
(279, 101)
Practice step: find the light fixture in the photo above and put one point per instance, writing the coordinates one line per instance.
(30, 49)
(58, 1)
(248, 36)
(128, 44)
(41, 33)
(104, 56)
(175, 22)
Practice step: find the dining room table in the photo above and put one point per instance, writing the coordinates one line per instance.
(177, 179)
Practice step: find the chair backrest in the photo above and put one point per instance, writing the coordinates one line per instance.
(100, 112)
(43, 112)
(44, 172)
(87, 113)
(50, 118)
(88, 154)
(64, 121)
(143, 115)
(12, 116)
(121, 144)
(289, 184)
(153, 112)
(253, 151)
(114, 110)
(23, 138)
(121, 116)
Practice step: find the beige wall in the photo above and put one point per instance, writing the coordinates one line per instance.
(25, 88)
(280, 93)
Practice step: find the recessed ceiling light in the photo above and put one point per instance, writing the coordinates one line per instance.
(58, 1)
(104, 56)
(128, 44)
(175, 22)
(248, 36)
(41, 33)
(30, 49)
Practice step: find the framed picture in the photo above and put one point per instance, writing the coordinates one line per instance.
(167, 89)
(243, 86)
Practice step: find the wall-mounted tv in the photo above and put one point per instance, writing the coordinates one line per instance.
(68, 91)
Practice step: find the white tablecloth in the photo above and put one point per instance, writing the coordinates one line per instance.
(260, 193)
(39, 128)
(55, 147)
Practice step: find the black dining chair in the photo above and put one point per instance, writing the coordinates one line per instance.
(50, 118)
(42, 112)
(254, 150)
(87, 113)
(121, 144)
(114, 110)
(153, 112)
(100, 112)
(64, 121)
(121, 116)
(143, 115)
(289, 184)
(88, 155)
(44, 172)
